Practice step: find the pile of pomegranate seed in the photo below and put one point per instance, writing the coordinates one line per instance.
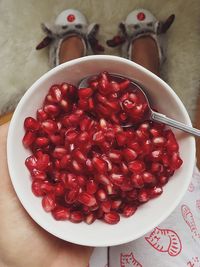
(84, 165)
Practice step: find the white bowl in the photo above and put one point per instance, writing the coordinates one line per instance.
(148, 215)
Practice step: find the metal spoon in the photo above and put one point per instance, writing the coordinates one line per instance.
(150, 114)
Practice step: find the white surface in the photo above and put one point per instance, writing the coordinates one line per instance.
(149, 215)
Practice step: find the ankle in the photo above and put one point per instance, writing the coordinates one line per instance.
(71, 48)
(145, 53)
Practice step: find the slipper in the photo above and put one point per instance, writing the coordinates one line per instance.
(138, 23)
(69, 23)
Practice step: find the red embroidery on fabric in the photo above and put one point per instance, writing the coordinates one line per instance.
(191, 187)
(165, 240)
(128, 260)
(189, 219)
(70, 18)
(198, 204)
(194, 262)
(141, 16)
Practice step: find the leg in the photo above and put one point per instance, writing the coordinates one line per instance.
(71, 48)
(145, 53)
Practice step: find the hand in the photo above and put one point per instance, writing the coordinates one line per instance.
(22, 242)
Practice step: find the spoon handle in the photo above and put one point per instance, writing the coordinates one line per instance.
(176, 124)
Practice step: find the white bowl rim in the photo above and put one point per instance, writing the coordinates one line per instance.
(14, 121)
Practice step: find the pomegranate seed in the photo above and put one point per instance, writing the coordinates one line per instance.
(132, 195)
(106, 206)
(70, 180)
(81, 180)
(116, 204)
(49, 126)
(144, 126)
(56, 139)
(64, 88)
(126, 186)
(52, 110)
(89, 165)
(104, 157)
(87, 199)
(176, 161)
(129, 154)
(136, 147)
(83, 137)
(61, 214)
(101, 195)
(98, 137)
(124, 168)
(111, 189)
(31, 124)
(100, 165)
(79, 156)
(31, 162)
(163, 179)
(117, 179)
(41, 115)
(157, 168)
(59, 189)
(65, 161)
(91, 186)
(103, 124)
(155, 191)
(41, 141)
(99, 213)
(28, 139)
(143, 195)
(59, 152)
(71, 136)
(156, 155)
(111, 217)
(136, 166)
(155, 132)
(147, 146)
(115, 156)
(65, 105)
(121, 138)
(165, 159)
(48, 202)
(36, 188)
(36, 174)
(85, 123)
(85, 92)
(55, 94)
(76, 166)
(90, 218)
(137, 180)
(159, 141)
(76, 216)
(71, 196)
(148, 178)
(129, 210)
(43, 162)
(103, 179)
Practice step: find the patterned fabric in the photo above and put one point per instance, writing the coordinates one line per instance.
(175, 242)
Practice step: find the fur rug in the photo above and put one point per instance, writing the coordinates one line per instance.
(20, 31)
